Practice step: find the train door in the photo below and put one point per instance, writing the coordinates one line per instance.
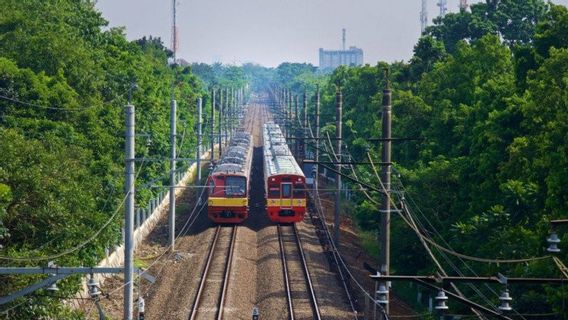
(286, 195)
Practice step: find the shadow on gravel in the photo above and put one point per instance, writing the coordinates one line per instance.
(257, 219)
(201, 224)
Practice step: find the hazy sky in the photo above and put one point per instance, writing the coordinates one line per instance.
(273, 31)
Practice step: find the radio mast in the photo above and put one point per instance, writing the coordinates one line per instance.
(443, 4)
(174, 31)
(424, 16)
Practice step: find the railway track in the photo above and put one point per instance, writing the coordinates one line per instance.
(211, 294)
(300, 293)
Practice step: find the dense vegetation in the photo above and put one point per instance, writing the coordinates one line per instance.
(487, 91)
(64, 79)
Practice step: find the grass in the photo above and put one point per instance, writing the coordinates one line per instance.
(141, 264)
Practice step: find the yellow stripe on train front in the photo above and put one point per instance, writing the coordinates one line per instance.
(227, 202)
(286, 202)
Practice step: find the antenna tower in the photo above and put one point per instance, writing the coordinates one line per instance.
(424, 16)
(443, 4)
(344, 31)
(174, 30)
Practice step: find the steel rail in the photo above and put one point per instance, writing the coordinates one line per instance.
(285, 270)
(309, 284)
(227, 274)
(313, 300)
(205, 274)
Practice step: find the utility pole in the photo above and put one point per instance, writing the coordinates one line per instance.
(199, 137)
(129, 213)
(173, 110)
(212, 139)
(172, 213)
(285, 112)
(338, 135)
(235, 106)
(220, 123)
(302, 149)
(227, 116)
(384, 228)
(317, 136)
(231, 108)
(295, 124)
(286, 93)
(296, 113)
(289, 120)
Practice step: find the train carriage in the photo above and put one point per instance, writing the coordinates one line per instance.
(228, 185)
(285, 181)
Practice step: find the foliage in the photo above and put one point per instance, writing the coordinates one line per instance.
(487, 91)
(62, 160)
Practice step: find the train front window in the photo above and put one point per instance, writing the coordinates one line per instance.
(286, 190)
(273, 191)
(235, 186)
(299, 191)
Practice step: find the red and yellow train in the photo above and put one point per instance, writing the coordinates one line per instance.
(228, 184)
(285, 181)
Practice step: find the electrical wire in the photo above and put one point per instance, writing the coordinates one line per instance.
(182, 232)
(319, 211)
(82, 244)
(185, 228)
(79, 109)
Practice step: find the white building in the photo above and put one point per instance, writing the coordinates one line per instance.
(331, 59)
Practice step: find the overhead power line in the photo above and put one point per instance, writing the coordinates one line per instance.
(62, 109)
(79, 246)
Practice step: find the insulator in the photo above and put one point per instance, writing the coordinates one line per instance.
(382, 294)
(93, 286)
(441, 300)
(52, 288)
(505, 301)
(553, 242)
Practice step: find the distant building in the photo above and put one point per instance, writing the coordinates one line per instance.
(331, 59)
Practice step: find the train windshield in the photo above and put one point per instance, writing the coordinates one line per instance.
(299, 190)
(286, 190)
(235, 186)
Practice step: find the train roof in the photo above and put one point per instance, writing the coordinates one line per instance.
(277, 156)
(236, 155)
(229, 168)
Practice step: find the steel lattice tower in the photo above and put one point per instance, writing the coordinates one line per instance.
(424, 16)
(443, 4)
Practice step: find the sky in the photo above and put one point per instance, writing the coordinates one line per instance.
(269, 32)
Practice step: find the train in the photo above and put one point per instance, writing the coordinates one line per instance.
(285, 182)
(228, 185)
